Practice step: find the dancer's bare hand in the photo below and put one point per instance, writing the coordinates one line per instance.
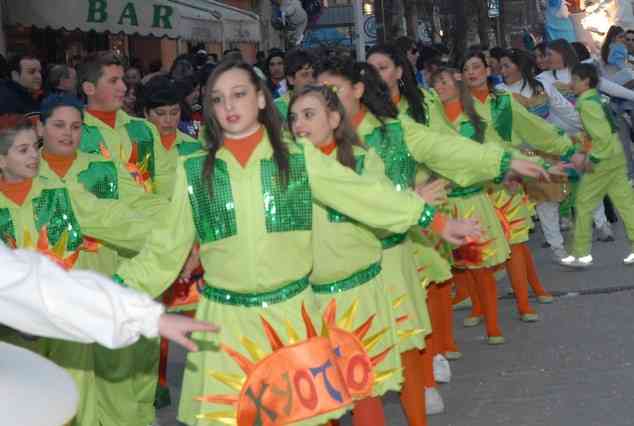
(529, 169)
(178, 327)
(457, 231)
(434, 192)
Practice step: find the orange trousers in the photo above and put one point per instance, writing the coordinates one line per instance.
(441, 339)
(483, 289)
(531, 273)
(518, 276)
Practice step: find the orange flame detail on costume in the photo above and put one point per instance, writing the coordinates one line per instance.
(301, 380)
(140, 169)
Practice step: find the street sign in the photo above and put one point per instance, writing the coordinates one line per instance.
(494, 8)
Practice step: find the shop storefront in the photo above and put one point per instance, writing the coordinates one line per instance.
(150, 30)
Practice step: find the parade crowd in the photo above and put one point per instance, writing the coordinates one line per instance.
(329, 214)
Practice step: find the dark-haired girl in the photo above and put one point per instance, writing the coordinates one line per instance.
(248, 201)
(509, 124)
(404, 146)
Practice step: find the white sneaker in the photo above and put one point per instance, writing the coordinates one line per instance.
(629, 260)
(433, 402)
(577, 262)
(442, 370)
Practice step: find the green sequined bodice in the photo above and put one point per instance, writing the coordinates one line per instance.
(54, 210)
(388, 142)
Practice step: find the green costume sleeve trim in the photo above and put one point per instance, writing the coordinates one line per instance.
(392, 241)
(505, 166)
(117, 278)
(568, 154)
(594, 159)
(427, 216)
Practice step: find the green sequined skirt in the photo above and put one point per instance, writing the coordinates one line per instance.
(479, 206)
(408, 296)
(238, 322)
(369, 299)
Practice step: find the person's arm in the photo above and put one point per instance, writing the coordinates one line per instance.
(615, 90)
(539, 133)
(38, 297)
(562, 108)
(455, 157)
(166, 248)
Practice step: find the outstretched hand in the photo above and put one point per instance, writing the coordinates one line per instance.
(456, 232)
(434, 192)
(178, 327)
(529, 169)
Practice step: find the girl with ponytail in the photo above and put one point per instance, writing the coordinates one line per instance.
(406, 148)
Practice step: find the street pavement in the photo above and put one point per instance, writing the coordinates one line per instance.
(573, 368)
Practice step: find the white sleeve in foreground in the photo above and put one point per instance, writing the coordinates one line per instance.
(38, 297)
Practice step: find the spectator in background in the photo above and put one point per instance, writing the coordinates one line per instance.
(429, 61)
(132, 76)
(408, 47)
(62, 80)
(75, 61)
(495, 56)
(21, 94)
(212, 58)
(130, 104)
(275, 71)
(182, 68)
(191, 116)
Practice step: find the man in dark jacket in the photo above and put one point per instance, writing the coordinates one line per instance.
(21, 94)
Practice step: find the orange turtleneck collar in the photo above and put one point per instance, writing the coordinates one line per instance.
(396, 100)
(359, 116)
(108, 117)
(243, 148)
(168, 140)
(481, 94)
(60, 164)
(16, 191)
(453, 109)
(329, 147)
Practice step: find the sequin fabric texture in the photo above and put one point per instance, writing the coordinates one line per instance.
(400, 166)
(53, 210)
(289, 209)
(101, 180)
(215, 217)
(7, 231)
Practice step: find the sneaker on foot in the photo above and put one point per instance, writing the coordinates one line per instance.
(604, 233)
(433, 402)
(577, 262)
(442, 371)
(464, 304)
(495, 340)
(545, 298)
(559, 253)
(453, 356)
(529, 317)
(471, 321)
(629, 260)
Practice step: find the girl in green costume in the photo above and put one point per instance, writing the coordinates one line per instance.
(509, 125)
(404, 145)
(248, 200)
(44, 215)
(347, 254)
(78, 171)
